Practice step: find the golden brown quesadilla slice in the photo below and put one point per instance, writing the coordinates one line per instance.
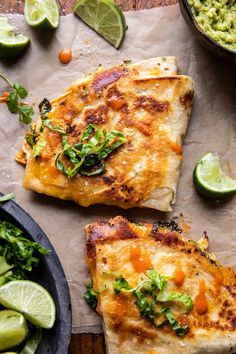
(112, 133)
(157, 292)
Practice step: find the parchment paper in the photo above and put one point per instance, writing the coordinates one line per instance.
(151, 33)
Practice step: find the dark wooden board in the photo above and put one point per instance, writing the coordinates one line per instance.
(86, 343)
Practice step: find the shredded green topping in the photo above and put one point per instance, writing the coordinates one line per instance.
(87, 156)
(18, 255)
(91, 296)
(151, 294)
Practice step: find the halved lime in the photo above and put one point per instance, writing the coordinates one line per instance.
(42, 13)
(13, 329)
(105, 17)
(11, 44)
(209, 179)
(30, 299)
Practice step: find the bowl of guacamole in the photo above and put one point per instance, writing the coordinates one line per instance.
(214, 23)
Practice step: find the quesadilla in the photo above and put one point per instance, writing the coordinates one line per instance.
(157, 292)
(112, 133)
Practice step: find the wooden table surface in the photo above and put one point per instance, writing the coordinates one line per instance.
(86, 343)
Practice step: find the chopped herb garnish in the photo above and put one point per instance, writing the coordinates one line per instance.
(21, 254)
(175, 325)
(145, 306)
(91, 296)
(87, 156)
(151, 294)
(31, 136)
(183, 298)
(6, 197)
(121, 284)
(15, 104)
(39, 147)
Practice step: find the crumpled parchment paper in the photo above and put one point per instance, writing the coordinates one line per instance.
(151, 33)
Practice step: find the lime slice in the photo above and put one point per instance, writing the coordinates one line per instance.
(42, 13)
(31, 299)
(105, 17)
(209, 179)
(13, 329)
(11, 44)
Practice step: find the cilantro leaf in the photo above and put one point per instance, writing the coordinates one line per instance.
(120, 284)
(31, 136)
(158, 280)
(12, 102)
(18, 250)
(20, 90)
(175, 325)
(39, 147)
(25, 114)
(91, 296)
(183, 298)
(145, 306)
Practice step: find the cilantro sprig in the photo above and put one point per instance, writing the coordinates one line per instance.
(15, 103)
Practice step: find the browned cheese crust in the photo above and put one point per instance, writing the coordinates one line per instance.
(150, 105)
(108, 252)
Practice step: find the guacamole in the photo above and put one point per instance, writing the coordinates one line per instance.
(218, 19)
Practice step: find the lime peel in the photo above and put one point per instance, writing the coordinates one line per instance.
(30, 299)
(13, 329)
(11, 44)
(42, 14)
(210, 180)
(105, 17)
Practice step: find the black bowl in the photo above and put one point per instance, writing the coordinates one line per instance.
(51, 275)
(201, 36)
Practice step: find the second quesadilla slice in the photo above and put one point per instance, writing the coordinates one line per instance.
(159, 293)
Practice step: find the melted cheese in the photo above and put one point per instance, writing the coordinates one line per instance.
(212, 321)
(152, 112)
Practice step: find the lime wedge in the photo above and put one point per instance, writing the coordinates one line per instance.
(11, 44)
(13, 329)
(42, 13)
(105, 17)
(209, 179)
(30, 299)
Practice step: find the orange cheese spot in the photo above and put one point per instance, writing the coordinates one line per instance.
(53, 138)
(179, 277)
(65, 56)
(117, 103)
(176, 148)
(201, 304)
(140, 259)
(53, 171)
(46, 153)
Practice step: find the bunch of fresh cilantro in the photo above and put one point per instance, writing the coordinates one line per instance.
(18, 255)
